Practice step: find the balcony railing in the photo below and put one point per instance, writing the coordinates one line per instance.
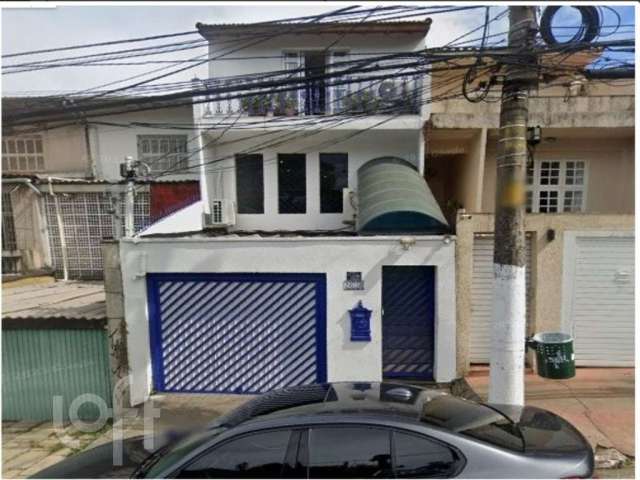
(401, 94)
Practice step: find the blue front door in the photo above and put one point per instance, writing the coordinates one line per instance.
(408, 312)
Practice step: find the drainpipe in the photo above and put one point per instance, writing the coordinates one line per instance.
(25, 181)
(63, 241)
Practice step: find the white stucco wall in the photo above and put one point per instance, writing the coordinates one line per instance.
(332, 256)
(111, 143)
(360, 147)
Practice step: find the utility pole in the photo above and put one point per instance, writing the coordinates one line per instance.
(506, 378)
(128, 171)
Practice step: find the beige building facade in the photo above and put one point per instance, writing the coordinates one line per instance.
(580, 218)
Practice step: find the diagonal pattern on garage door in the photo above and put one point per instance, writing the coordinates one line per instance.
(237, 333)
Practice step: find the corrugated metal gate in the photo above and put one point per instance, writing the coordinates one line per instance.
(600, 300)
(87, 219)
(408, 311)
(38, 364)
(237, 333)
(482, 297)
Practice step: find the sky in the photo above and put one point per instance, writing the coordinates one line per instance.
(34, 28)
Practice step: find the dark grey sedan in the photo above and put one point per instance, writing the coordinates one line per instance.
(358, 430)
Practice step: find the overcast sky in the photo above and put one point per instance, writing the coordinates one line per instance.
(26, 29)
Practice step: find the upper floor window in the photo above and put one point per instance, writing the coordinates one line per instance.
(555, 186)
(334, 177)
(164, 153)
(292, 183)
(250, 183)
(22, 154)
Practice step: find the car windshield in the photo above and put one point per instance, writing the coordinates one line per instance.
(164, 458)
(473, 420)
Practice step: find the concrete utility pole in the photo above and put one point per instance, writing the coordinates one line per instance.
(129, 172)
(509, 299)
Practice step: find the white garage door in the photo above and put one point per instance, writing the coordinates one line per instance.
(599, 303)
(482, 297)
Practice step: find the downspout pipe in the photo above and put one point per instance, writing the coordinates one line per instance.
(63, 241)
(23, 180)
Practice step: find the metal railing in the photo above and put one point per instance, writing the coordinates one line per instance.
(401, 94)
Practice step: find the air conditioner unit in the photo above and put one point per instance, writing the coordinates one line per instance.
(349, 206)
(223, 214)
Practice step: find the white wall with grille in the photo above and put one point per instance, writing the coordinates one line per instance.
(87, 220)
(482, 297)
(598, 297)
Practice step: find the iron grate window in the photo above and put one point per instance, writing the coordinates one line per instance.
(8, 224)
(10, 261)
(163, 152)
(87, 219)
(22, 154)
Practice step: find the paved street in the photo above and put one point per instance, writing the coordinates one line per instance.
(598, 401)
(28, 447)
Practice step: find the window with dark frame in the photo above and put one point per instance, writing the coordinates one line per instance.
(292, 183)
(257, 455)
(334, 176)
(250, 183)
(367, 454)
(418, 457)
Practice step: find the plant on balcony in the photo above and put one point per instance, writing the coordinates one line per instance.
(256, 105)
(285, 104)
(370, 102)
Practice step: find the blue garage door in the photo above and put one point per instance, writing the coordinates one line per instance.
(408, 322)
(237, 333)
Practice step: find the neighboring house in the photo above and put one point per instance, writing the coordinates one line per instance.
(67, 178)
(580, 221)
(254, 287)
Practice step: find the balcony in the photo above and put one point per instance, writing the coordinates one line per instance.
(297, 97)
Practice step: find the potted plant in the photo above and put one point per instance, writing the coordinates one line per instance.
(290, 106)
(351, 103)
(369, 101)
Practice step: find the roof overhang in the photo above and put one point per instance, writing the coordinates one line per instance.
(210, 31)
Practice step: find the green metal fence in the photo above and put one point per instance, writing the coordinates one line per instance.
(40, 364)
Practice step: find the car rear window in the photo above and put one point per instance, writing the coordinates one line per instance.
(473, 420)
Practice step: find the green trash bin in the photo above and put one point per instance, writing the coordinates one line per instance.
(554, 354)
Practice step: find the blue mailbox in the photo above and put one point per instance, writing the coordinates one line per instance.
(360, 323)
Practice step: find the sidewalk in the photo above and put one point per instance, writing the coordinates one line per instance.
(598, 401)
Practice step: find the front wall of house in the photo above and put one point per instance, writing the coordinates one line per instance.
(360, 147)
(346, 360)
(112, 143)
(375, 44)
(610, 168)
(63, 153)
(547, 277)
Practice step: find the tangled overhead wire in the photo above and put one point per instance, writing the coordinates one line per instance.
(589, 28)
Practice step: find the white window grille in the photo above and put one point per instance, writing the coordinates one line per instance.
(164, 153)
(555, 186)
(22, 154)
(87, 219)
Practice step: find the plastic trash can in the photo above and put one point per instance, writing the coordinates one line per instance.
(554, 354)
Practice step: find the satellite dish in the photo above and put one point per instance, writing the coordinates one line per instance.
(388, 91)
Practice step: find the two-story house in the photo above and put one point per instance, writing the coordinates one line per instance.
(62, 189)
(580, 211)
(318, 251)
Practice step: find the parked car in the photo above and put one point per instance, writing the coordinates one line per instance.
(358, 430)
